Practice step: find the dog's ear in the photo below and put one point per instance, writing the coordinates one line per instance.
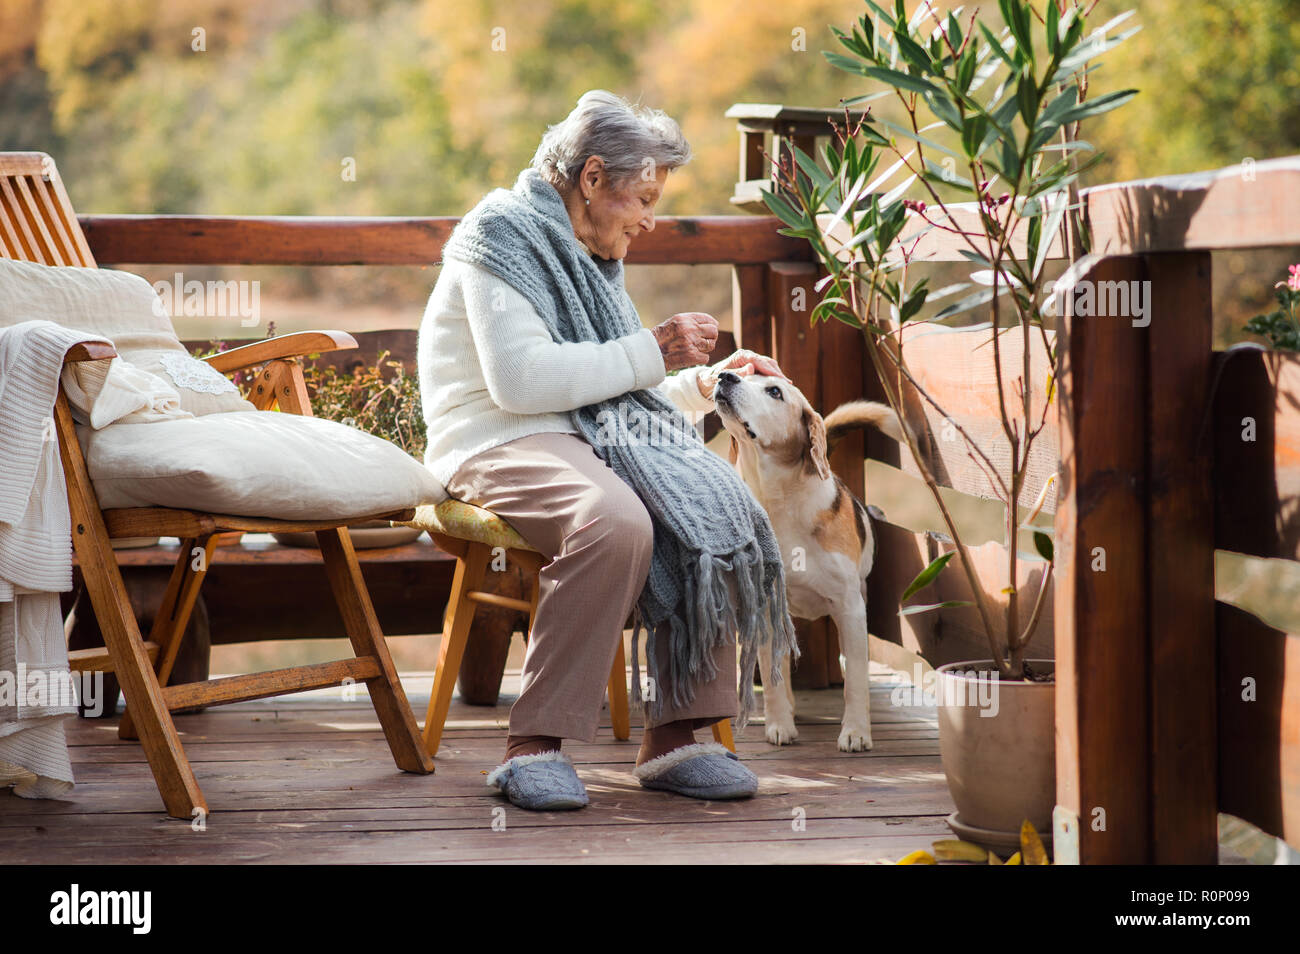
(815, 452)
(733, 451)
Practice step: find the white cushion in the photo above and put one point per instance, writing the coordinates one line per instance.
(125, 309)
(263, 464)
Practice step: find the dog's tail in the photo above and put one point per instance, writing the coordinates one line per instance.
(859, 414)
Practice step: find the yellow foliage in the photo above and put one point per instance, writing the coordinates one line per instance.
(918, 857)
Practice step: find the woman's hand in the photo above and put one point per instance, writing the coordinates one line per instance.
(686, 340)
(742, 363)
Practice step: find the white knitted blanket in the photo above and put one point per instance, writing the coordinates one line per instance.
(35, 563)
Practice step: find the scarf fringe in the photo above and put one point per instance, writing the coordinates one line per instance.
(758, 618)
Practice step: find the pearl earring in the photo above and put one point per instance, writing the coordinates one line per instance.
(589, 202)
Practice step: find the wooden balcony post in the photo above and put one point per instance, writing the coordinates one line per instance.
(1135, 645)
(1180, 560)
(1103, 764)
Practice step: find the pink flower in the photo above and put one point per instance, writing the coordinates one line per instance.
(1293, 282)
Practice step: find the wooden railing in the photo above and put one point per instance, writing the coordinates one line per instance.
(310, 240)
(1154, 732)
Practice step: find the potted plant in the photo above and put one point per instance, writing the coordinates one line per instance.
(991, 118)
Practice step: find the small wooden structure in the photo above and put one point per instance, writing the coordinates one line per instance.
(771, 132)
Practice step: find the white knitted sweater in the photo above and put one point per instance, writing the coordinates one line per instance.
(490, 372)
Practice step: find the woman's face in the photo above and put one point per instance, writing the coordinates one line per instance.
(616, 214)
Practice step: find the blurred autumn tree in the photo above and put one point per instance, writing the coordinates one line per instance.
(242, 106)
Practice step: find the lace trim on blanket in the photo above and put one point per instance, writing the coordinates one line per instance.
(195, 375)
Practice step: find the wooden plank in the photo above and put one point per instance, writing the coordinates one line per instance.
(1234, 207)
(47, 201)
(796, 347)
(367, 640)
(954, 634)
(1180, 520)
(250, 552)
(1257, 441)
(1257, 512)
(165, 522)
(323, 240)
(275, 682)
(1258, 723)
(1103, 754)
(13, 212)
(292, 345)
(101, 660)
(955, 367)
(751, 320)
(23, 163)
(131, 663)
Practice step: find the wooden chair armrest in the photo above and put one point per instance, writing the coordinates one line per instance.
(292, 345)
(89, 351)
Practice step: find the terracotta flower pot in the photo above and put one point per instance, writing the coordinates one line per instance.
(997, 739)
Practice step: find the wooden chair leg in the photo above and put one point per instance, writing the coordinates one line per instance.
(722, 734)
(131, 664)
(391, 705)
(173, 616)
(471, 565)
(618, 712)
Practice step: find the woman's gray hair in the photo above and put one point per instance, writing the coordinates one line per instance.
(630, 139)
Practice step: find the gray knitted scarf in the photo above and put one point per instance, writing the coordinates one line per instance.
(712, 539)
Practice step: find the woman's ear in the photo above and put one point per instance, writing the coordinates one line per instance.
(815, 451)
(733, 452)
(593, 173)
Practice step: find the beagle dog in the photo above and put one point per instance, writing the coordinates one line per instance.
(779, 446)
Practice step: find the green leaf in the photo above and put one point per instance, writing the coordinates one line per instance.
(912, 305)
(867, 98)
(810, 168)
(1095, 46)
(900, 80)
(966, 68)
(846, 63)
(917, 137)
(926, 576)
(945, 109)
(927, 607)
(995, 45)
(1050, 226)
(783, 210)
(913, 53)
(1027, 98)
(1043, 544)
(1094, 107)
(1053, 25)
(981, 297)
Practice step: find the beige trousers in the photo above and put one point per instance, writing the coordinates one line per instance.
(597, 536)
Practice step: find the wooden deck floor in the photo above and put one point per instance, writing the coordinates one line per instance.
(308, 779)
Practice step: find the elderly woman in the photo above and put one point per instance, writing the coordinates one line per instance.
(550, 404)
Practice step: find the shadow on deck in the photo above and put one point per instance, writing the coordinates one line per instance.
(308, 779)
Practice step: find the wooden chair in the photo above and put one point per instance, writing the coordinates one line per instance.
(37, 224)
(471, 534)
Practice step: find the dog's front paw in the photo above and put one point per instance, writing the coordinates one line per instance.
(780, 729)
(855, 738)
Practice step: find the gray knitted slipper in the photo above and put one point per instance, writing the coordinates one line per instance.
(704, 770)
(544, 782)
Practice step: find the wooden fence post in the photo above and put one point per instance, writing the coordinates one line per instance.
(1103, 765)
(1180, 560)
(772, 308)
